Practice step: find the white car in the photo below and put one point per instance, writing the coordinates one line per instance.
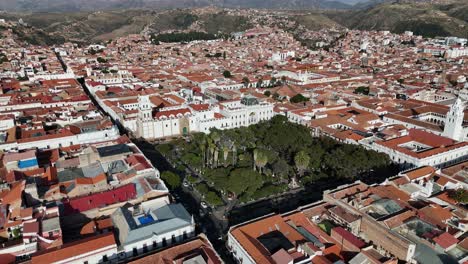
(185, 184)
(204, 205)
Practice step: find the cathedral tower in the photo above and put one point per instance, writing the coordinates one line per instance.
(454, 121)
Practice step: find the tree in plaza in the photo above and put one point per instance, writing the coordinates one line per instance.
(246, 81)
(273, 81)
(276, 96)
(216, 156)
(260, 159)
(234, 154)
(202, 147)
(101, 60)
(243, 179)
(298, 98)
(255, 154)
(301, 160)
(211, 150)
(215, 136)
(267, 93)
(172, 179)
(213, 199)
(460, 195)
(280, 168)
(226, 150)
(227, 74)
(259, 83)
(283, 79)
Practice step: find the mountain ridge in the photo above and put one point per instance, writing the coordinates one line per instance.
(95, 5)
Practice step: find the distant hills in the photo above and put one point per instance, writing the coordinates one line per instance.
(93, 5)
(429, 20)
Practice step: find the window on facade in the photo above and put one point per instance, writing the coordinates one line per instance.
(145, 248)
(135, 252)
(173, 239)
(104, 258)
(164, 242)
(155, 244)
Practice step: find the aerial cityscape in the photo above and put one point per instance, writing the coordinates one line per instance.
(234, 131)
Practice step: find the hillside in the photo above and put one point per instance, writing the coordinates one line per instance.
(89, 5)
(423, 19)
(85, 27)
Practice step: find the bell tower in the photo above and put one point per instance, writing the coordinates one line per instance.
(144, 108)
(454, 121)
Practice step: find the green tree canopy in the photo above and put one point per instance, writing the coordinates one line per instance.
(460, 195)
(301, 160)
(227, 74)
(172, 179)
(101, 60)
(243, 179)
(362, 90)
(298, 98)
(213, 199)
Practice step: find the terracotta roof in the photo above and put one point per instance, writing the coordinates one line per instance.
(435, 214)
(247, 236)
(172, 113)
(439, 144)
(444, 196)
(74, 249)
(445, 240)
(199, 107)
(199, 246)
(420, 172)
(391, 192)
(96, 226)
(348, 236)
(86, 181)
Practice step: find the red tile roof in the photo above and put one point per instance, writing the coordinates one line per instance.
(420, 172)
(439, 144)
(172, 113)
(446, 240)
(68, 251)
(348, 236)
(177, 254)
(81, 204)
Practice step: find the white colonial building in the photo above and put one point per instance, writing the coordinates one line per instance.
(150, 225)
(183, 119)
(420, 148)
